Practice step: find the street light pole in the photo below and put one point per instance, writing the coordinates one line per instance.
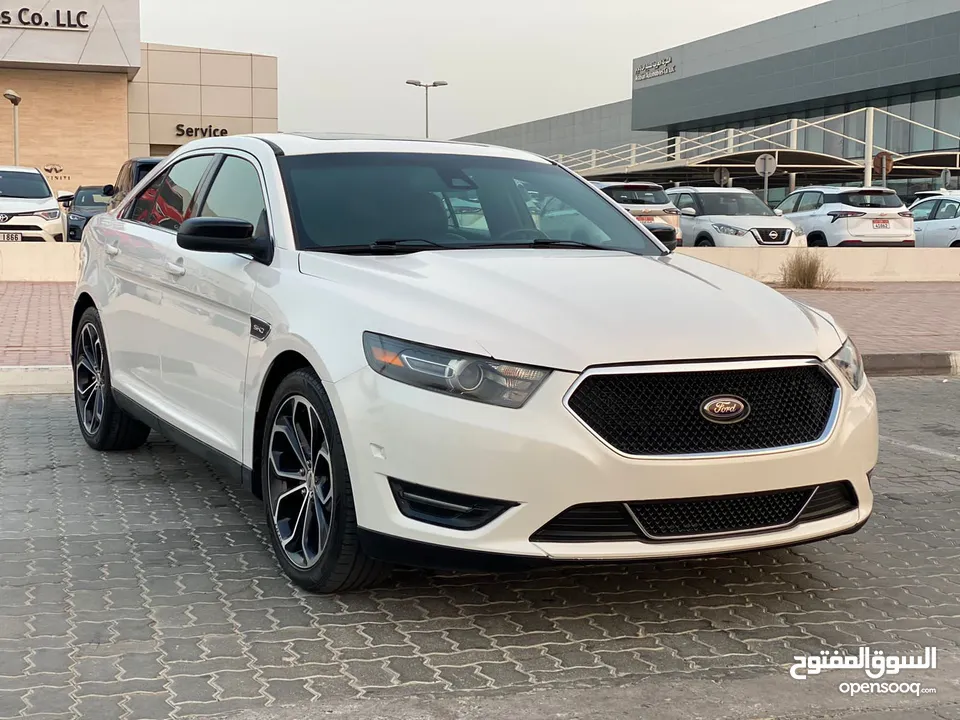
(15, 100)
(426, 99)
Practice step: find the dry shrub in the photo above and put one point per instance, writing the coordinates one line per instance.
(806, 270)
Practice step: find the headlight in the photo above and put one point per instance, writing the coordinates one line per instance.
(49, 214)
(468, 376)
(848, 361)
(76, 218)
(729, 230)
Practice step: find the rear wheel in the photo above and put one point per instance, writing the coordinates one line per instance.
(956, 244)
(307, 495)
(103, 424)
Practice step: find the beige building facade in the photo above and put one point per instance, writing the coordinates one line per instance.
(92, 95)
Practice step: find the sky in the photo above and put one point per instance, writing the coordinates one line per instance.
(343, 63)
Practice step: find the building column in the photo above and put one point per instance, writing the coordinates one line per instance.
(868, 148)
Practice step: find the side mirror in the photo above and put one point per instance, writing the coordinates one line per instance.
(778, 212)
(223, 235)
(64, 197)
(108, 190)
(689, 212)
(666, 234)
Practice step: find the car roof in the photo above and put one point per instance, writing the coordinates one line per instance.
(836, 190)
(18, 168)
(311, 144)
(628, 183)
(709, 190)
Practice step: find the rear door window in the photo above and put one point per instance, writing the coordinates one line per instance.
(948, 210)
(810, 201)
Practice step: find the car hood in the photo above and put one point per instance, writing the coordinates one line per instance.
(571, 309)
(14, 205)
(748, 222)
(87, 211)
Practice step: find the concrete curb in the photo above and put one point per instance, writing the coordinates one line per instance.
(928, 363)
(58, 379)
(36, 380)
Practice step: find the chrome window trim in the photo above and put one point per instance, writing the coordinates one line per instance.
(724, 533)
(658, 369)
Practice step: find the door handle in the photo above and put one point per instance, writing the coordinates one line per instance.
(175, 269)
(111, 250)
(953, 227)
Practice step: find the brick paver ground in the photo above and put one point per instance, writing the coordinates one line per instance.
(140, 586)
(35, 323)
(883, 317)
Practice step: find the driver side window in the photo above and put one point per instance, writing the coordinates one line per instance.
(923, 211)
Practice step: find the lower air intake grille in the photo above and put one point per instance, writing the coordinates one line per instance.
(676, 519)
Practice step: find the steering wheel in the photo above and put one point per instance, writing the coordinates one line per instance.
(511, 234)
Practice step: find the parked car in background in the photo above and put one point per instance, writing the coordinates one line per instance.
(646, 201)
(87, 201)
(936, 221)
(730, 217)
(29, 209)
(402, 389)
(850, 217)
(132, 172)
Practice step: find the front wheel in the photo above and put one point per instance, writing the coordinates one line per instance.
(705, 242)
(103, 424)
(307, 494)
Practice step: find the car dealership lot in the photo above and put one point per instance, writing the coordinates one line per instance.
(138, 586)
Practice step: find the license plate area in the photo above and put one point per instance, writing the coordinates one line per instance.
(881, 224)
(11, 237)
(646, 218)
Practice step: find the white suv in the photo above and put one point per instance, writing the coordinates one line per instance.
(730, 217)
(646, 201)
(29, 210)
(850, 217)
(400, 387)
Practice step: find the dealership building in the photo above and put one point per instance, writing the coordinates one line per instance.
(93, 95)
(825, 90)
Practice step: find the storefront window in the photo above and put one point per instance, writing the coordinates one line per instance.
(898, 131)
(948, 119)
(854, 126)
(833, 141)
(813, 136)
(923, 112)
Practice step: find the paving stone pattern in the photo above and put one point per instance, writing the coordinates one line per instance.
(882, 317)
(140, 586)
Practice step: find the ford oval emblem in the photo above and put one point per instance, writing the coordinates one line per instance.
(725, 409)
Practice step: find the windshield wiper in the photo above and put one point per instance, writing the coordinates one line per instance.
(384, 246)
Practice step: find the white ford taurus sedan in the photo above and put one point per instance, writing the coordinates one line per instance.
(310, 315)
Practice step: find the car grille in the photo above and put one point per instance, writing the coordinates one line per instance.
(666, 520)
(773, 236)
(10, 227)
(658, 414)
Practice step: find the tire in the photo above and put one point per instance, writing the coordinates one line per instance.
(816, 241)
(103, 424)
(705, 242)
(956, 244)
(318, 559)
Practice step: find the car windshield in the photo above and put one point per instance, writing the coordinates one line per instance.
(24, 185)
(352, 200)
(628, 195)
(733, 204)
(870, 199)
(90, 197)
(142, 170)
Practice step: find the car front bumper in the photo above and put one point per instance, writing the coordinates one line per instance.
(544, 460)
(33, 228)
